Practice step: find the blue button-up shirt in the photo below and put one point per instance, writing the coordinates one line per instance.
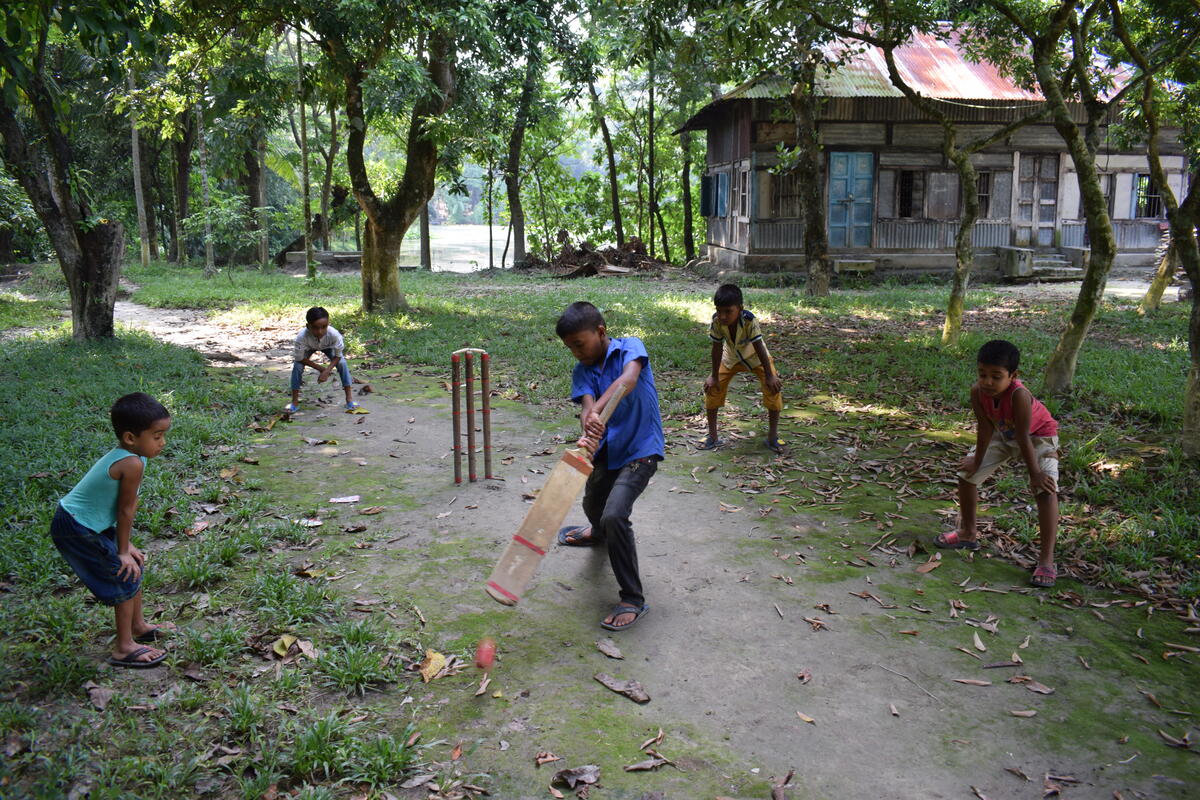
(635, 429)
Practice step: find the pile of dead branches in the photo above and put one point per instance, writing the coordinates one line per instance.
(585, 260)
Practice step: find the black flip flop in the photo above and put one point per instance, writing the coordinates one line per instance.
(625, 608)
(711, 443)
(132, 661)
(151, 636)
(563, 533)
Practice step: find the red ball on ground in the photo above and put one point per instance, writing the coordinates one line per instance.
(485, 653)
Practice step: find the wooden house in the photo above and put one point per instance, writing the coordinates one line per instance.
(892, 199)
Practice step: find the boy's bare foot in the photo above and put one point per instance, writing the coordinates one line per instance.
(953, 540)
(137, 657)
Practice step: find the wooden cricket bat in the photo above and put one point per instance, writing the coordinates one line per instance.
(512, 573)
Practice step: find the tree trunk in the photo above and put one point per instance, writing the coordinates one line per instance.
(264, 216)
(251, 185)
(182, 150)
(650, 190)
(311, 265)
(685, 182)
(491, 214)
(613, 186)
(964, 247)
(512, 164)
(327, 182)
(210, 267)
(380, 276)
(426, 250)
(1162, 278)
(152, 199)
(388, 220)
(808, 172)
(1060, 369)
(139, 197)
(90, 255)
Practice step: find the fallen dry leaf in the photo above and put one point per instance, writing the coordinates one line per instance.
(370, 510)
(432, 665)
(544, 757)
(1029, 713)
(653, 740)
(647, 765)
(631, 689)
(929, 566)
(892, 708)
(979, 645)
(98, 695)
(806, 718)
(575, 776)
(350, 498)
(609, 648)
(456, 753)
(972, 682)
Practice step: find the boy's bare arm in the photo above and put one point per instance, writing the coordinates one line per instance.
(983, 433)
(772, 378)
(1022, 417)
(128, 471)
(710, 383)
(593, 428)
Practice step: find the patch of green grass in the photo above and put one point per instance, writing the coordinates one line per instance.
(286, 600)
(19, 310)
(216, 645)
(355, 668)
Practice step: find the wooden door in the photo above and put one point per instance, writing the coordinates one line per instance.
(1037, 200)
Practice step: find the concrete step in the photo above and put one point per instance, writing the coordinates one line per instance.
(1057, 273)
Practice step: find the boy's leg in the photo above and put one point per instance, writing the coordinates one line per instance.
(347, 382)
(773, 403)
(595, 497)
(615, 527)
(125, 645)
(715, 400)
(968, 503)
(773, 425)
(1047, 504)
(297, 380)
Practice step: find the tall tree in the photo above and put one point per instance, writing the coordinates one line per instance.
(139, 197)
(1144, 28)
(37, 128)
(1057, 46)
(893, 27)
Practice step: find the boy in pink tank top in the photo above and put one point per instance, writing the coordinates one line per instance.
(1010, 424)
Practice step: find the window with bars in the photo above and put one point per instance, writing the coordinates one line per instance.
(984, 190)
(1147, 197)
(785, 196)
(910, 194)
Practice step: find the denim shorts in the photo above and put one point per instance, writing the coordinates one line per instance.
(93, 556)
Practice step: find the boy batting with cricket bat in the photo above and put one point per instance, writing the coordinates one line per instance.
(626, 450)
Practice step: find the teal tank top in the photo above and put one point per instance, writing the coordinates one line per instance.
(93, 501)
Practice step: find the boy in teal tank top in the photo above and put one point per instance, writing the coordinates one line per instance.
(94, 521)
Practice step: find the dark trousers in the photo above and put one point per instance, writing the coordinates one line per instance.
(608, 502)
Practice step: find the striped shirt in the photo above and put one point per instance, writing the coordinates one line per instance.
(738, 344)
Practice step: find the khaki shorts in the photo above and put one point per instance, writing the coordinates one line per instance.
(716, 398)
(1001, 450)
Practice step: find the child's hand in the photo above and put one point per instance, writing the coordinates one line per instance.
(710, 384)
(969, 464)
(1041, 483)
(324, 376)
(774, 384)
(588, 443)
(137, 554)
(593, 427)
(130, 569)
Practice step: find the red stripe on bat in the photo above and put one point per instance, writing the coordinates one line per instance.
(522, 540)
(578, 463)
(503, 591)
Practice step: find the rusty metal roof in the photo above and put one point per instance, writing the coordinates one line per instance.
(933, 65)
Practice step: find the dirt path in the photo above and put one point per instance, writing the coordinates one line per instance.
(735, 578)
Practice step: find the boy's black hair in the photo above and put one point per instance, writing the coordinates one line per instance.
(315, 313)
(728, 294)
(581, 316)
(1000, 353)
(135, 413)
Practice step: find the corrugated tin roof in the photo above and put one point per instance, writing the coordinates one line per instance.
(933, 65)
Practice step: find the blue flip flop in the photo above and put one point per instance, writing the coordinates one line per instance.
(625, 608)
(566, 540)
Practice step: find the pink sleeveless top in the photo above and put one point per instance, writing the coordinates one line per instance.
(1000, 411)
